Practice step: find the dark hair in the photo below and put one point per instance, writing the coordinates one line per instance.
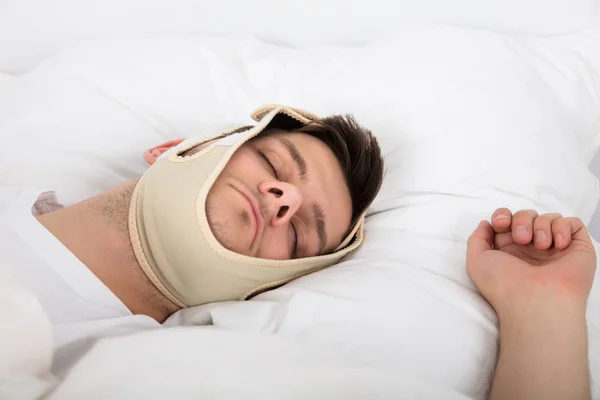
(358, 153)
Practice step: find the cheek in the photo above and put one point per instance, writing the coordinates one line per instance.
(244, 166)
(225, 218)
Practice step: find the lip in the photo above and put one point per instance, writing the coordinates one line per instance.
(253, 206)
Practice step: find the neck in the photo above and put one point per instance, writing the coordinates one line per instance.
(96, 232)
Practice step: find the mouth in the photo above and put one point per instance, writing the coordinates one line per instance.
(253, 212)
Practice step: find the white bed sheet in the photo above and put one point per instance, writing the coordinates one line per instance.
(31, 30)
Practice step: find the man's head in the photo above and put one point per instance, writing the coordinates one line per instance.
(255, 207)
(293, 193)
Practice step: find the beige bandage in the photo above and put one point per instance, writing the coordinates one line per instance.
(172, 239)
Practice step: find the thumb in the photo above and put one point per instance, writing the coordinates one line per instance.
(480, 240)
(579, 230)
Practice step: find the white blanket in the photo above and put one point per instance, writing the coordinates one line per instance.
(25, 342)
(207, 363)
(222, 364)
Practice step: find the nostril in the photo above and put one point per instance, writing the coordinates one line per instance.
(276, 192)
(282, 211)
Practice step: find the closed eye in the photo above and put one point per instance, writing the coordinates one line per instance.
(269, 164)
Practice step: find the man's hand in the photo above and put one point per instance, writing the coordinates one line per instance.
(537, 272)
(526, 255)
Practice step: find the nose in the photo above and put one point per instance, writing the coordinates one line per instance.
(282, 199)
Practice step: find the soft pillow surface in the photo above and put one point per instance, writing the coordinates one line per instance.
(32, 30)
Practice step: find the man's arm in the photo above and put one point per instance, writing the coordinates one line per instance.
(539, 290)
(543, 352)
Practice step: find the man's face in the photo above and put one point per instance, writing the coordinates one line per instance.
(280, 196)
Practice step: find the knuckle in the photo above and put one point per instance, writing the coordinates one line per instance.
(541, 222)
(526, 214)
(560, 223)
(532, 213)
(547, 219)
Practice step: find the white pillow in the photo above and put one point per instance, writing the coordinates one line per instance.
(30, 30)
(469, 120)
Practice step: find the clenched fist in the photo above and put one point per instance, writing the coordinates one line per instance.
(530, 256)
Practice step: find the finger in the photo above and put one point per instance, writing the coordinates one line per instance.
(480, 240)
(501, 219)
(567, 229)
(503, 239)
(522, 226)
(542, 230)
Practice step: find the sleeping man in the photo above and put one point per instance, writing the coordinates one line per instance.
(216, 220)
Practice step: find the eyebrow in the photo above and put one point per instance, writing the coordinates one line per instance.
(317, 209)
(319, 216)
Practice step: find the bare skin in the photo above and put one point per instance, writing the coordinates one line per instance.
(537, 273)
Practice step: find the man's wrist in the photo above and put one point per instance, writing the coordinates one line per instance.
(543, 351)
(540, 312)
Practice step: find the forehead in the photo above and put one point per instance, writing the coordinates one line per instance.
(325, 183)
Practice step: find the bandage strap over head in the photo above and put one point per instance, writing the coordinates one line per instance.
(171, 236)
